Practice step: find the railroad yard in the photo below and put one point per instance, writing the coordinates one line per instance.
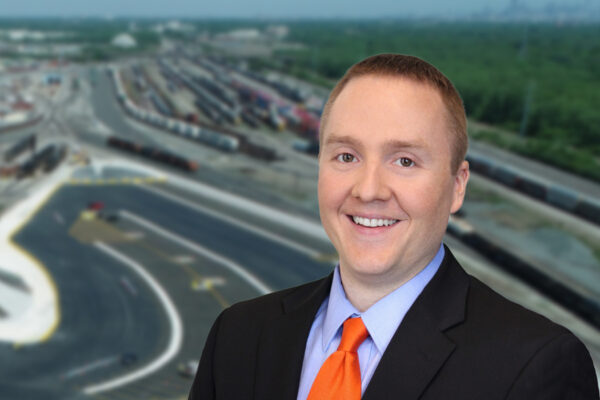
(154, 190)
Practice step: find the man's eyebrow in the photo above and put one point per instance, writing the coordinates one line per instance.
(389, 144)
(404, 144)
(344, 139)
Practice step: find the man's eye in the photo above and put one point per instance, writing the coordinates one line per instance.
(405, 162)
(346, 158)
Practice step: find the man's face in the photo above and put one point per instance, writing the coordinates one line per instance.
(386, 189)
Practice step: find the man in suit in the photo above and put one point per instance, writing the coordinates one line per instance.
(398, 318)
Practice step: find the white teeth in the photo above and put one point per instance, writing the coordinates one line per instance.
(373, 222)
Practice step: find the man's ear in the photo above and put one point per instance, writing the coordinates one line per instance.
(460, 186)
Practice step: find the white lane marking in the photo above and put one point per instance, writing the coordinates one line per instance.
(129, 286)
(104, 362)
(301, 225)
(231, 265)
(59, 218)
(259, 231)
(207, 283)
(134, 235)
(184, 259)
(174, 320)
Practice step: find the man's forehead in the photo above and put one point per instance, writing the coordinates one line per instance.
(384, 80)
(377, 99)
(389, 80)
(369, 94)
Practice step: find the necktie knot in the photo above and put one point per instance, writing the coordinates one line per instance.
(353, 334)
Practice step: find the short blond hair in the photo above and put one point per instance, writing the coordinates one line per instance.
(410, 67)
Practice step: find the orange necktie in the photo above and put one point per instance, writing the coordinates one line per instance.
(339, 376)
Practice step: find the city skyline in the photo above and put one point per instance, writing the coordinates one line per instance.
(271, 9)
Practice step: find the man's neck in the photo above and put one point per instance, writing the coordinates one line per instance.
(363, 293)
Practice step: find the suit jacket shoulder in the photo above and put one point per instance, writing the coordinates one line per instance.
(462, 340)
(255, 348)
(459, 340)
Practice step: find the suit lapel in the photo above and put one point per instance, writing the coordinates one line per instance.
(419, 347)
(282, 343)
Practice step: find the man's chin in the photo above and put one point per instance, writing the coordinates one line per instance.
(369, 268)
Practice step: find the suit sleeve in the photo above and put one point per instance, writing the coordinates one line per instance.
(203, 387)
(562, 369)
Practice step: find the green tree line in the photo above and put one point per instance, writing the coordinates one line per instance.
(539, 80)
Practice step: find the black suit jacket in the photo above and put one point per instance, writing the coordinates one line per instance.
(459, 340)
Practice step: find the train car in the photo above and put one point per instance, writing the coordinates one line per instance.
(540, 189)
(180, 128)
(531, 187)
(562, 198)
(211, 101)
(218, 140)
(37, 161)
(480, 165)
(250, 119)
(144, 115)
(139, 78)
(208, 111)
(186, 130)
(123, 144)
(192, 132)
(191, 117)
(301, 121)
(275, 120)
(170, 124)
(154, 154)
(159, 104)
(588, 209)
(116, 77)
(219, 91)
(252, 96)
(129, 105)
(505, 175)
(310, 147)
(57, 155)
(162, 122)
(27, 143)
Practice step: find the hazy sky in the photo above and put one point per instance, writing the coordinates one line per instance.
(262, 8)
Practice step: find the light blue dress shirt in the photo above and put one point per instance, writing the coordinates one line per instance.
(381, 319)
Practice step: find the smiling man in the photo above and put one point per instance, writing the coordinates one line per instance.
(387, 182)
(398, 317)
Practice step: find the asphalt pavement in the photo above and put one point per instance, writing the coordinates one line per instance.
(109, 313)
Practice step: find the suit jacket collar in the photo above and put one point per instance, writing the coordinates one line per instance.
(283, 342)
(420, 347)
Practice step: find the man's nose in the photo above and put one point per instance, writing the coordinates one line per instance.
(371, 184)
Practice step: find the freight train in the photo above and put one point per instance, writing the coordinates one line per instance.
(217, 104)
(181, 128)
(27, 143)
(47, 159)
(551, 193)
(587, 308)
(152, 153)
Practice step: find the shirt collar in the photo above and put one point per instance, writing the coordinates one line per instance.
(382, 318)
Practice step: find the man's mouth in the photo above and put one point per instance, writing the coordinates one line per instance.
(373, 222)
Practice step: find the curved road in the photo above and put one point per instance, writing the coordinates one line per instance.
(107, 310)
